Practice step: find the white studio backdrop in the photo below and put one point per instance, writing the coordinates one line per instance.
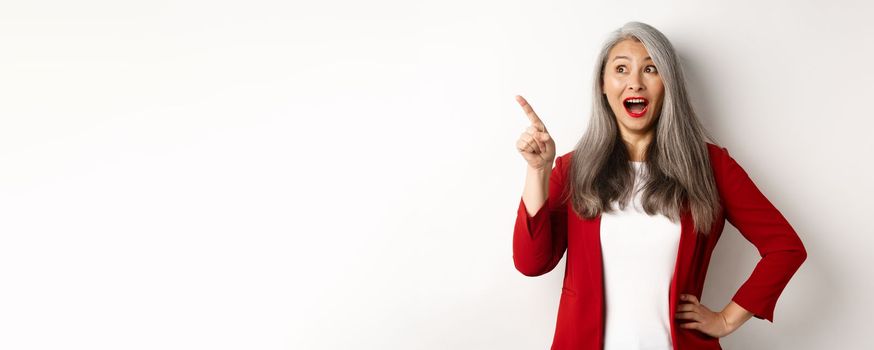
(342, 175)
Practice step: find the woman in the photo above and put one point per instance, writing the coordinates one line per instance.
(639, 205)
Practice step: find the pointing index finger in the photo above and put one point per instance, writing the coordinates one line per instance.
(535, 120)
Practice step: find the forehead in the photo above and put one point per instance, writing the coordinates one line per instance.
(628, 49)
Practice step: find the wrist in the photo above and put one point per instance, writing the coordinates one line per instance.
(546, 167)
(730, 325)
(734, 315)
(541, 172)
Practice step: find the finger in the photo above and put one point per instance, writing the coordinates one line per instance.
(689, 316)
(691, 325)
(525, 146)
(535, 120)
(545, 137)
(530, 140)
(685, 307)
(537, 137)
(531, 130)
(690, 298)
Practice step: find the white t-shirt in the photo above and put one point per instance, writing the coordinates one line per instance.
(639, 253)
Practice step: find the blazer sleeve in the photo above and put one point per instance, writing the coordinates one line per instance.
(779, 246)
(539, 241)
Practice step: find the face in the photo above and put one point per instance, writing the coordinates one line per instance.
(631, 73)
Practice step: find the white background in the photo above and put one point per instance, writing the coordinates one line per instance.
(342, 175)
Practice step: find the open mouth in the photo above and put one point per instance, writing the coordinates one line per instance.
(635, 105)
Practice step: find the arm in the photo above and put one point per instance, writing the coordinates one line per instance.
(735, 316)
(779, 246)
(540, 232)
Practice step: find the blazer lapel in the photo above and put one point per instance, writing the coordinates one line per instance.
(685, 256)
(596, 270)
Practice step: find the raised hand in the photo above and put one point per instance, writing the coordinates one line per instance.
(535, 144)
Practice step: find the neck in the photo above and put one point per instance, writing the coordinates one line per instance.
(637, 145)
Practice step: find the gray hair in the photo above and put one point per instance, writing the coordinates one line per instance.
(677, 160)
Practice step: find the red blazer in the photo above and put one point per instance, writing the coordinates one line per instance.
(539, 242)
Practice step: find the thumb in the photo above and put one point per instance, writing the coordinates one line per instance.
(547, 145)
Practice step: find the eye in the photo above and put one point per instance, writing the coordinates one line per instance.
(653, 69)
(620, 67)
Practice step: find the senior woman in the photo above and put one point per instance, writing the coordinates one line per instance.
(639, 205)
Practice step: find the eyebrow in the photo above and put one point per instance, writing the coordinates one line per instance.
(626, 57)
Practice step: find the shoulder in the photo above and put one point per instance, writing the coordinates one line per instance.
(718, 156)
(564, 160)
(725, 168)
(567, 156)
(716, 151)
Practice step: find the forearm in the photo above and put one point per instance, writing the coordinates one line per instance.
(735, 315)
(536, 189)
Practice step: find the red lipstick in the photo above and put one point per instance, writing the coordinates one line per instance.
(630, 101)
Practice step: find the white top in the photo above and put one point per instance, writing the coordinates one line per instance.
(639, 253)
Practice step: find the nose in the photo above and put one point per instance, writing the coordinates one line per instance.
(634, 83)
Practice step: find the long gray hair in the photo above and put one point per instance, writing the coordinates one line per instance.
(677, 160)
